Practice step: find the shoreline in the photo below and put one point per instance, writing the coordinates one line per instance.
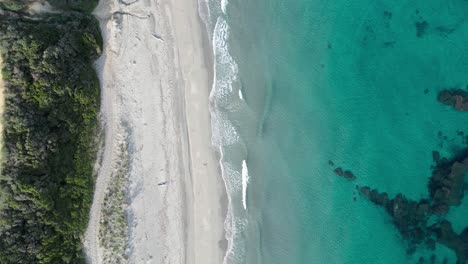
(209, 213)
(155, 79)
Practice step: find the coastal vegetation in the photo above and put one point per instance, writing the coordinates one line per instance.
(76, 5)
(50, 123)
(113, 230)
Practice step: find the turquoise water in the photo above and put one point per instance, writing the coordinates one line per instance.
(348, 81)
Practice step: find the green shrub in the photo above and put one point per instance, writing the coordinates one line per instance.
(81, 5)
(51, 106)
(12, 6)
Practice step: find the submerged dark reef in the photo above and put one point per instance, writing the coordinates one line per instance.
(412, 218)
(423, 223)
(457, 98)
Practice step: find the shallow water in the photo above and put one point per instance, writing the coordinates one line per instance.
(352, 82)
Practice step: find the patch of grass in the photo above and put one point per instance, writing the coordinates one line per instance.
(113, 231)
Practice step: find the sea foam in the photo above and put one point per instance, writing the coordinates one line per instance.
(225, 74)
(224, 101)
(245, 180)
(224, 4)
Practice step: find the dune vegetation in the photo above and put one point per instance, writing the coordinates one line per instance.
(50, 123)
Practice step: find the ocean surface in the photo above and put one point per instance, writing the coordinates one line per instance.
(300, 83)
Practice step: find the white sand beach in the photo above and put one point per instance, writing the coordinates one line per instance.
(155, 81)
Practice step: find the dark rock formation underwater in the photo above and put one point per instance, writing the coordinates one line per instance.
(422, 223)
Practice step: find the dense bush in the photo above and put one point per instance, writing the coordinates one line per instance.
(50, 118)
(82, 5)
(77, 5)
(12, 5)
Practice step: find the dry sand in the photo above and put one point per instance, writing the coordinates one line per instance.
(155, 88)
